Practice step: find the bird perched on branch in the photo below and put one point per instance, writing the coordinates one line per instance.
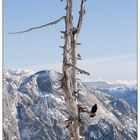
(93, 110)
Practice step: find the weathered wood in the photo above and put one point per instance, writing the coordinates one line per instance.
(80, 70)
(38, 27)
(69, 67)
(81, 14)
(68, 85)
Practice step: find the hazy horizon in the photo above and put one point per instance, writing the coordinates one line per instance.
(120, 66)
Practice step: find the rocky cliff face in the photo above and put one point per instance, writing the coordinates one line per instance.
(34, 109)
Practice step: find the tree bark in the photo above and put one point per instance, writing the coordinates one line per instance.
(69, 68)
(69, 73)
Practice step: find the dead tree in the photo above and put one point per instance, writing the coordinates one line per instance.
(70, 68)
(69, 84)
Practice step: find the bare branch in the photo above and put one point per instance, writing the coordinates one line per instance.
(62, 37)
(75, 92)
(81, 14)
(63, 32)
(38, 27)
(79, 58)
(80, 70)
(79, 43)
(61, 47)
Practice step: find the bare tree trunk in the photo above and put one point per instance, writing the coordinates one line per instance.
(69, 68)
(69, 73)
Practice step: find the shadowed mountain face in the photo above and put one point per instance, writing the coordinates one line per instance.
(33, 109)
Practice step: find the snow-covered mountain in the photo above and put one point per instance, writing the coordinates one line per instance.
(34, 109)
(126, 90)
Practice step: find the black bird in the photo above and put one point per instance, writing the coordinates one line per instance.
(93, 110)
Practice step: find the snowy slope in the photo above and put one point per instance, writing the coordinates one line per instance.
(33, 109)
(126, 90)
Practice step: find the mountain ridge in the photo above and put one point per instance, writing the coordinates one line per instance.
(36, 110)
(123, 90)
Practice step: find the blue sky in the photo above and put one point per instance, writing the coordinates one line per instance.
(108, 37)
